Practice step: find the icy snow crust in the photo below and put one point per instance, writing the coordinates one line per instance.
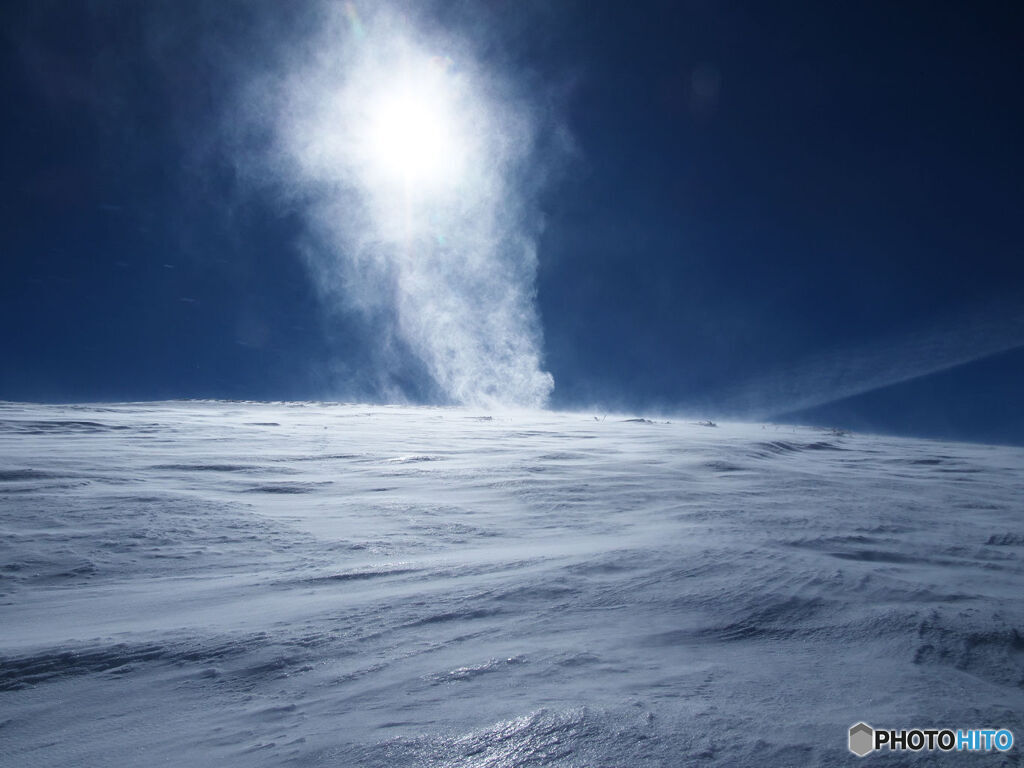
(239, 584)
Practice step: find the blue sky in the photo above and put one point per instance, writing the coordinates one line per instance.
(795, 210)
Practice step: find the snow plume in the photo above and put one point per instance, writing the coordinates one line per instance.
(972, 333)
(416, 169)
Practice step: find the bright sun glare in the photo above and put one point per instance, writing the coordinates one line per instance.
(413, 134)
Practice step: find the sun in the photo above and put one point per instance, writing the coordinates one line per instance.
(410, 138)
(414, 136)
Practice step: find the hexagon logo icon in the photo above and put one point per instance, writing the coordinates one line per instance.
(862, 737)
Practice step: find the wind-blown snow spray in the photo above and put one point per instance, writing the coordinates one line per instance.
(413, 165)
(971, 334)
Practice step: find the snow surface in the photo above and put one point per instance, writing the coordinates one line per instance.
(240, 584)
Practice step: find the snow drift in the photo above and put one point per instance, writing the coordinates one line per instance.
(226, 584)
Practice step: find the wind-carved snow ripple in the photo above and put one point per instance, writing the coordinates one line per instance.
(297, 583)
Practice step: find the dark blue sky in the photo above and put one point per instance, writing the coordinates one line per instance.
(769, 206)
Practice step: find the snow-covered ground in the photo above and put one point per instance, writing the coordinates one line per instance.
(235, 584)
